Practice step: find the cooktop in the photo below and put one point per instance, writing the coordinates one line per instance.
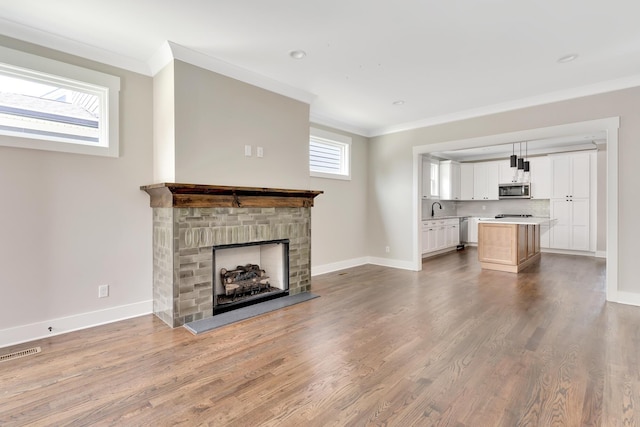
(514, 216)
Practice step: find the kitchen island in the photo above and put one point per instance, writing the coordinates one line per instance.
(509, 244)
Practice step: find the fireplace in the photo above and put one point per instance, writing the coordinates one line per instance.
(193, 222)
(249, 273)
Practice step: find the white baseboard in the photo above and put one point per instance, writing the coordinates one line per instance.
(567, 252)
(356, 262)
(440, 252)
(62, 325)
(629, 298)
(393, 263)
(337, 266)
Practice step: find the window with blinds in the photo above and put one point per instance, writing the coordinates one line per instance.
(329, 155)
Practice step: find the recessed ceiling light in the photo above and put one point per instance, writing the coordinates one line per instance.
(297, 54)
(568, 58)
(398, 102)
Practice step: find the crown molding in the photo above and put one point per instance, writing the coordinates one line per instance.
(336, 124)
(548, 98)
(72, 47)
(170, 51)
(167, 52)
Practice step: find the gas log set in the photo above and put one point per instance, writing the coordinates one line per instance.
(242, 282)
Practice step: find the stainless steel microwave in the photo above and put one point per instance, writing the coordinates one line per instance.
(514, 190)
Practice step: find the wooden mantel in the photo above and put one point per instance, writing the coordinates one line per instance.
(172, 195)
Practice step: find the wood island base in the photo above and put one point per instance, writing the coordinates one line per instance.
(508, 247)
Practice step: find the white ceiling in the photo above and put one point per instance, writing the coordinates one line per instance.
(445, 59)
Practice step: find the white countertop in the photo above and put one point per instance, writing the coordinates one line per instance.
(512, 220)
(435, 218)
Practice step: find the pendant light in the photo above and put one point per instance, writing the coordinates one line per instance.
(526, 153)
(520, 159)
(513, 158)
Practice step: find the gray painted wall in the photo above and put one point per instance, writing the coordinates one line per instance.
(339, 218)
(216, 116)
(74, 222)
(391, 172)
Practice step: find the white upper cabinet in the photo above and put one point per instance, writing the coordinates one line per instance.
(540, 177)
(485, 181)
(449, 180)
(506, 173)
(570, 176)
(466, 181)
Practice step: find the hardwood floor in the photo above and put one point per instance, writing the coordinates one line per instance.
(449, 346)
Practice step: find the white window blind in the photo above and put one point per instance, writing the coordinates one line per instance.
(329, 155)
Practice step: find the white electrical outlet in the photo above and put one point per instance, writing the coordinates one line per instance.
(103, 291)
(247, 150)
(259, 152)
(387, 249)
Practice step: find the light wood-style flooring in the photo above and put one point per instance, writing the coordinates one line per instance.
(450, 346)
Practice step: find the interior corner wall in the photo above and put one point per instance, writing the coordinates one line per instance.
(339, 215)
(390, 203)
(74, 222)
(217, 116)
(164, 157)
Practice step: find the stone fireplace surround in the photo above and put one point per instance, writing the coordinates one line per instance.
(189, 219)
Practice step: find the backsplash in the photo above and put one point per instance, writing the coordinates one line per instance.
(448, 208)
(494, 207)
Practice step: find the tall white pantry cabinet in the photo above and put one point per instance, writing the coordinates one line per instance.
(570, 201)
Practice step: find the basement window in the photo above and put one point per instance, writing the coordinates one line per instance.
(329, 155)
(50, 105)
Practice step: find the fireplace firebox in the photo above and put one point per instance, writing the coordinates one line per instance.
(249, 273)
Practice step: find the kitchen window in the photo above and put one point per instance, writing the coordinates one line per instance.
(434, 178)
(329, 155)
(51, 105)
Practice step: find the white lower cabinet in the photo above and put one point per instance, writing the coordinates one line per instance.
(440, 234)
(544, 236)
(570, 229)
(452, 235)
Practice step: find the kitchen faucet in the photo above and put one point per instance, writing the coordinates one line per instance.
(433, 213)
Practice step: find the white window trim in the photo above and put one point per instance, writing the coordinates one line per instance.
(337, 138)
(434, 178)
(22, 64)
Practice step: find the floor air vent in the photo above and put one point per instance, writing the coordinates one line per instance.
(17, 354)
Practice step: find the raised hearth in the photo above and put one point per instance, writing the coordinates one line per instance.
(189, 220)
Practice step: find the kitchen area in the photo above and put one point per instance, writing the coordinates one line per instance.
(552, 185)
